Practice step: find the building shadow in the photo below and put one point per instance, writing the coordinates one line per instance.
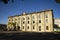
(56, 27)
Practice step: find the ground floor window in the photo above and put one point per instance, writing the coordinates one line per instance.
(47, 27)
(18, 27)
(39, 28)
(28, 27)
(23, 27)
(33, 27)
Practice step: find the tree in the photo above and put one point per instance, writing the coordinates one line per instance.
(12, 24)
(6, 1)
(58, 1)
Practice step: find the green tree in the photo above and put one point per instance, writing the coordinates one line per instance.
(14, 25)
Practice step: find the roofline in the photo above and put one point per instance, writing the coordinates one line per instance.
(31, 13)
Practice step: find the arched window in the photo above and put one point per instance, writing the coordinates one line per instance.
(23, 27)
(46, 20)
(39, 16)
(28, 27)
(47, 27)
(33, 21)
(28, 22)
(39, 28)
(32, 17)
(28, 18)
(18, 18)
(46, 15)
(39, 21)
(15, 19)
(9, 19)
(23, 18)
(18, 27)
(23, 22)
(33, 27)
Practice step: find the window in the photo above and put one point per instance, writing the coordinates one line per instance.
(23, 18)
(12, 19)
(33, 21)
(18, 27)
(23, 22)
(39, 28)
(28, 22)
(32, 17)
(18, 18)
(46, 27)
(15, 19)
(18, 22)
(9, 19)
(46, 16)
(46, 20)
(39, 21)
(28, 17)
(28, 27)
(33, 27)
(39, 16)
(23, 27)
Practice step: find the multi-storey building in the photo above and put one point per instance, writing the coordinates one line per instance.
(33, 22)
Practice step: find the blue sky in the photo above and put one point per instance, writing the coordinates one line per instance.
(27, 6)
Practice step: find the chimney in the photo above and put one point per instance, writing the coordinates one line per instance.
(24, 13)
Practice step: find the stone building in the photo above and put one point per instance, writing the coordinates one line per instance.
(32, 22)
(57, 24)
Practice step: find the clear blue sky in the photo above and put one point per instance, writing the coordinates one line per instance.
(27, 6)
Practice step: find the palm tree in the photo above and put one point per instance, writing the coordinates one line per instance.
(12, 25)
(9, 25)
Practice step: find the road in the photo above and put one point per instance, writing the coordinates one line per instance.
(13, 35)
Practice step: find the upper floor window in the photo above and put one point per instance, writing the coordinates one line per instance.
(19, 22)
(39, 21)
(47, 28)
(12, 19)
(39, 16)
(9, 19)
(28, 18)
(15, 19)
(28, 27)
(46, 20)
(28, 22)
(33, 21)
(32, 17)
(23, 18)
(46, 16)
(23, 22)
(18, 18)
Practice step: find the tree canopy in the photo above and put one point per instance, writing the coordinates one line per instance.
(58, 1)
(12, 23)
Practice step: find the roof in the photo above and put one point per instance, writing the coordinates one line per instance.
(32, 13)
